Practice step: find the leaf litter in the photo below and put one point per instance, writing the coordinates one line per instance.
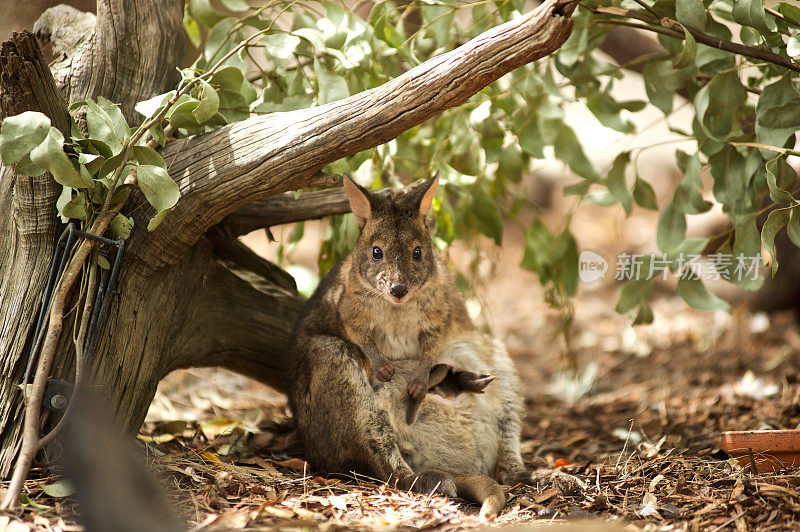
(640, 427)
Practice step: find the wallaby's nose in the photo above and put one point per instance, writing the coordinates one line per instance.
(398, 290)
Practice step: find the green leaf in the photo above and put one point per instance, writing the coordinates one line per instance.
(632, 293)
(689, 51)
(76, 208)
(490, 221)
(790, 11)
(645, 314)
(159, 189)
(280, 45)
(661, 81)
(687, 197)
(22, 133)
(50, 156)
(312, 35)
(192, 29)
(671, 228)
(644, 194)
(775, 221)
(62, 488)
(793, 227)
(695, 293)
(103, 262)
(331, 86)
(228, 78)
(537, 248)
(691, 13)
(751, 13)
(202, 11)
(793, 46)
(104, 127)
(617, 183)
(149, 107)
(61, 202)
(608, 112)
(26, 167)
(236, 5)
(727, 94)
(780, 177)
(146, 155)
(157, 132)
(209, 103)
(181, 115)
(122, 226)
(782, 95)
(780, 107)
(568, 149)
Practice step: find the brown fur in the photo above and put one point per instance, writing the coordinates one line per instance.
(384, 327)
(348, 420)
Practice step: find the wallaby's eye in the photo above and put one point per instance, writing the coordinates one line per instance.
(417, 253)
(377, 253)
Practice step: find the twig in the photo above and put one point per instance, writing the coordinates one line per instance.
(672, 28)
(88, 305)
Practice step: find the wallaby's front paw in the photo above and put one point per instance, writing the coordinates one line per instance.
(384, 370)
(566, 483)
(417, 388)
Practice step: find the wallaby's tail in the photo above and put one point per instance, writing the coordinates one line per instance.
(483, 490)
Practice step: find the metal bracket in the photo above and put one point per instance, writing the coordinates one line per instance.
(57, 395)
(58, 392)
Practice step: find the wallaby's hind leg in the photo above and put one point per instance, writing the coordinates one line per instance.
(483, 490)
(511, 470)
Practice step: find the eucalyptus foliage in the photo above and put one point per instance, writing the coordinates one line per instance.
(286, 56)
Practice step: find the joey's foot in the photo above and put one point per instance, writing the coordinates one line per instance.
(438, 482)
(384, 370)
(542, 478)
(474, 382)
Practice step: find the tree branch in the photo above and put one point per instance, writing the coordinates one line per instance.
(284, 209)
(233, 324)
(671, 28)
(257, 158)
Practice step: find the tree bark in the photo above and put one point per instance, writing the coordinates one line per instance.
(28, 230)
(189, 294)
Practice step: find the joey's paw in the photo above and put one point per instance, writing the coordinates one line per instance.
(417, 388)
(384, 370)
(566, 483)
(434, 482)
(474, 382)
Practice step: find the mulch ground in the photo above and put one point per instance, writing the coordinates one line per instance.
(640, 423)
(642, 430)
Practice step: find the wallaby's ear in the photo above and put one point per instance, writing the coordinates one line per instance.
(359, 200)
(427, 197)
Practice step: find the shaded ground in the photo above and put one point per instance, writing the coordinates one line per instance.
(640, 424)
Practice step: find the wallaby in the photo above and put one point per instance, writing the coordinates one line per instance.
(354, 328)
(392, 296)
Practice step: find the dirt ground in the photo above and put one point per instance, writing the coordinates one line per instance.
(640, 423)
